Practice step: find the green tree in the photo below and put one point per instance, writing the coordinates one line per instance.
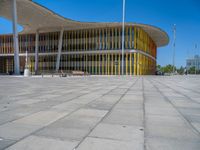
(158, 67)
(191, 70)
(168, 69)
(181, 70)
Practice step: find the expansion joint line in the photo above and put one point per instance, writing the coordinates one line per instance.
(180, 113)
(61, 117)
(176, 91)
(144, 113)
(107, 113)
(71, 99)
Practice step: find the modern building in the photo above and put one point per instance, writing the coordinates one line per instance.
(56, 43)
(193, 62)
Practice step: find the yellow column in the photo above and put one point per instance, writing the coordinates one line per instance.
(149, 65)
(135, 63)
(75, 40)
(126, 37)
(144, 65)
(86, 64)
(106, 64)
(92, 64)
(102, 64)
(112, 38)
(130, 64)
(142, 60)
(138, 64)
(135, 39)
(141, 64)
(131, 38)
(112, 65)
(109, 64)
(108, 31)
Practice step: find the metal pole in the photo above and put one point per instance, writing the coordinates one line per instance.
(123, 19)
(188, 56)
(198, 60)
(174, 46)
(195, 59)
(15, 38)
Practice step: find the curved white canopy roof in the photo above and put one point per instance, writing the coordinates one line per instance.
(33, 17)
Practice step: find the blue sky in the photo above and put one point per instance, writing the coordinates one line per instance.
(161, 13)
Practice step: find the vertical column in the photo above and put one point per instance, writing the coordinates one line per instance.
(119, 64)
(130, 65)
(15, 38)
(96, 65)
(126, 63)
(135, 63)
(36, 51)
(112, 65)
(138, 64)
(102, 64)
(92, 67)
(116, 64)
(108, 63)
(59, 50)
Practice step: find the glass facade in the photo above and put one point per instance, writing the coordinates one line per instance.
(96, 51)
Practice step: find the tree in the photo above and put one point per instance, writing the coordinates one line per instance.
(158, 67)
(167, 69)
(181, 70)
(191, 70)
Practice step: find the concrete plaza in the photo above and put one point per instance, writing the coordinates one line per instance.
(100, 113)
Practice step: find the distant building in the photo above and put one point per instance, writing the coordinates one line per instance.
(193, 62)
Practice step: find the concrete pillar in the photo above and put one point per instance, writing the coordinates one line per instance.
(36, 51)
(15, 38)
(59, 49)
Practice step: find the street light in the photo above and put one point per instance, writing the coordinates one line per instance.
(195, 59)
(174, 46)
(15, 38)
(123, 19)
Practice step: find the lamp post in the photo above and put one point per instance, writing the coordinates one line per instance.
(174, 46)
(195, 59)
(15, 38)
(123, 26)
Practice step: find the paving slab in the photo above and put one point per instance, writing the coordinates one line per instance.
(171, 144)
(107, 144)
(42, 118)
(100, 112)
(4, 143)
(16, 131)
(42, 143)
(118, 132)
